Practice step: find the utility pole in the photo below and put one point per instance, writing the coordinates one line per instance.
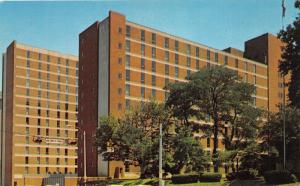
(284, 145)
(161, 183)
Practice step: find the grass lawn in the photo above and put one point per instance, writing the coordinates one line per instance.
(154, 181)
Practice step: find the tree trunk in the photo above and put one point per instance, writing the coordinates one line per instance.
(143, 168)
(215, 152)
(232, 165)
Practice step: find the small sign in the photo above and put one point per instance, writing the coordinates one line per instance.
(54, 141)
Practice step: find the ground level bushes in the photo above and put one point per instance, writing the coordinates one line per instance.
(242, 175)
(210, 177)
(279, 177)
(185, 178)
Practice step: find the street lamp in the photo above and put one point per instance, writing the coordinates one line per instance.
(161, 183)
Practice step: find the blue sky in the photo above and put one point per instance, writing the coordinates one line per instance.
(217, 23)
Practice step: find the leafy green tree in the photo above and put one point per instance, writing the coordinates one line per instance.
(185, 152)
(219, 94)
(290, 63)
(135, 138)
(272, 134)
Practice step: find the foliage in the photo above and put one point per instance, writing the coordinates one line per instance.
(134, 139)
(210, 177)
(251, 157)
(272, 134)
(279, 177)
(185, 178)
(186, 152)
(209, 95)
(290, 63)
(242, 175)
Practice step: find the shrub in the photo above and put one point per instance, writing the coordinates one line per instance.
(185, 178)
(242, 175)
(279, 177)
(210, 177)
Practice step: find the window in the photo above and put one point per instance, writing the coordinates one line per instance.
(27, 120)
(236, 63)
(245, 66)
(254, 68)
(207, 65)
(127, 91)
(153, 38)
(166, 55)
(254, 80)
(188, 73)
(48, 58)
(143, 35)
(143, 49)
(188, 62)
(216, 57)
(127, 75)
(153, 66)
(143, 92)
(208, 142)
(28, 64)
(197, 64)
(153, 93)
(26, 160)
(128, 30)
(120, 75)
(188, 49)
(127, 46)
(176, 46)
(40, 56)
(120, 30)
(120, 45)
(119, 91)
(38, 131)
(143, 78)
(119, 106)
(28, 54)
(153, 52)
(225, 60)
(176, 72)
(120, 60)
(127, 103)
(176, 59)
(167, 70)
(167, 81)
(208, 55)
(47, 132)
(47, 150)
(27, 83)
(127, 60)
(142, 63)
(197, 52)
(166, 42)
(153, 80)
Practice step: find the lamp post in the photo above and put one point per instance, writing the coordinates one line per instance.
(161, 183)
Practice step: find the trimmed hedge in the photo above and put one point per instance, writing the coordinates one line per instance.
(210, 177)
(279, 177)
(242, 175)
(185, 178)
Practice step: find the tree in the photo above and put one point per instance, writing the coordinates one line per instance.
(135, 139)
(272, 134)
(219, 94)
(290, 63)
(186, 153)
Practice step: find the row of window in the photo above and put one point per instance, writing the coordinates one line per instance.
(188, 59)
(59, 60)
(58, 170)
